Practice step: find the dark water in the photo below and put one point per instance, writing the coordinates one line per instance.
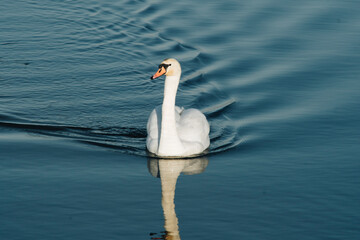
(277, 80)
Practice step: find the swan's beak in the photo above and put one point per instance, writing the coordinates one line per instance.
(160, 72)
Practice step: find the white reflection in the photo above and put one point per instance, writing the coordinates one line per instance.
(169, 170)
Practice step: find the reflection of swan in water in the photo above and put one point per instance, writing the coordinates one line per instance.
(169, 170)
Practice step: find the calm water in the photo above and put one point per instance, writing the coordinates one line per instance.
(277, 80)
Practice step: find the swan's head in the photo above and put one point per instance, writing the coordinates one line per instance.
(169, 67)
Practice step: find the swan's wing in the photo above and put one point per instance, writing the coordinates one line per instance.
(153, 129)
(193, 127)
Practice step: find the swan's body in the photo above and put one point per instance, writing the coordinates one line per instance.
(173, 131)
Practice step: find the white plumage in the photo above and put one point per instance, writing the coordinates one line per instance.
(173, 131)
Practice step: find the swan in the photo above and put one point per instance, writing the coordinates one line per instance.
(171, 130)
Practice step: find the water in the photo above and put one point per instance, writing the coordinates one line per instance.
(277, 80)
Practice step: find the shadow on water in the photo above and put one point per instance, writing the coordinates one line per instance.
(168, 170)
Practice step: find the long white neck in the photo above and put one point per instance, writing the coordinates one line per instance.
(170, 144)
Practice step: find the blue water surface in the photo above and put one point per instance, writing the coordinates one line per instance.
(277, 80)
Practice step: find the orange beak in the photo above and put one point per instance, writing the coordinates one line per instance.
(160, 72)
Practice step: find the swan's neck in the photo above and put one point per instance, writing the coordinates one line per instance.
(170, 144)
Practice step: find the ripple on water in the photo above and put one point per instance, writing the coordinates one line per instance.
(98, 39)
(88, 78)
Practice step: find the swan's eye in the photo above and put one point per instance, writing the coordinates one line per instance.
(164, 65)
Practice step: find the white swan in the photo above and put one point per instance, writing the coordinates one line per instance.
(173, 131)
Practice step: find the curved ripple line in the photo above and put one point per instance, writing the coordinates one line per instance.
(124, 139)
(218, 109)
